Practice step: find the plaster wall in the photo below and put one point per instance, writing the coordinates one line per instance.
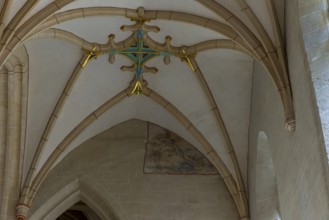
(298, 157)
(114, 159)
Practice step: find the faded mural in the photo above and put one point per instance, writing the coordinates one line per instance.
(167, 153)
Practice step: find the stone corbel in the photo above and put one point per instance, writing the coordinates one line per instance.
(21, 212)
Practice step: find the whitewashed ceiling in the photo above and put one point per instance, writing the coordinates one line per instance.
(227, 72)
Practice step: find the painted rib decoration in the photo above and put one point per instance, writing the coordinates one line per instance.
(140, 52)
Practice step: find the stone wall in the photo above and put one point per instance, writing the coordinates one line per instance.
(114, 161)
(313, 16)
(298, 157)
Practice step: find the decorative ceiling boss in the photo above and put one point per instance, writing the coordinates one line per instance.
(140, 49)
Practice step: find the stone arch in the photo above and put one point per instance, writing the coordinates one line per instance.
(116, 181)
(244, 40)
(266, 188)
(238, 195)
(81, 189)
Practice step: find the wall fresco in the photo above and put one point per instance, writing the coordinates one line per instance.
(167, 153)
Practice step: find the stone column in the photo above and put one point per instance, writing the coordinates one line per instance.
(11, 187)
(3, 123)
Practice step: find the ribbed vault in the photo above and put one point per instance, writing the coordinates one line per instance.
(205, 98)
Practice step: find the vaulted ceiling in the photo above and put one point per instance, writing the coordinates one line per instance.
(76, 89)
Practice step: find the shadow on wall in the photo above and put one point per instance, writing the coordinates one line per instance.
(79, 211)
(266, 188)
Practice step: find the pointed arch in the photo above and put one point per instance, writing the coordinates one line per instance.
(239, 196)
(79, 190)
